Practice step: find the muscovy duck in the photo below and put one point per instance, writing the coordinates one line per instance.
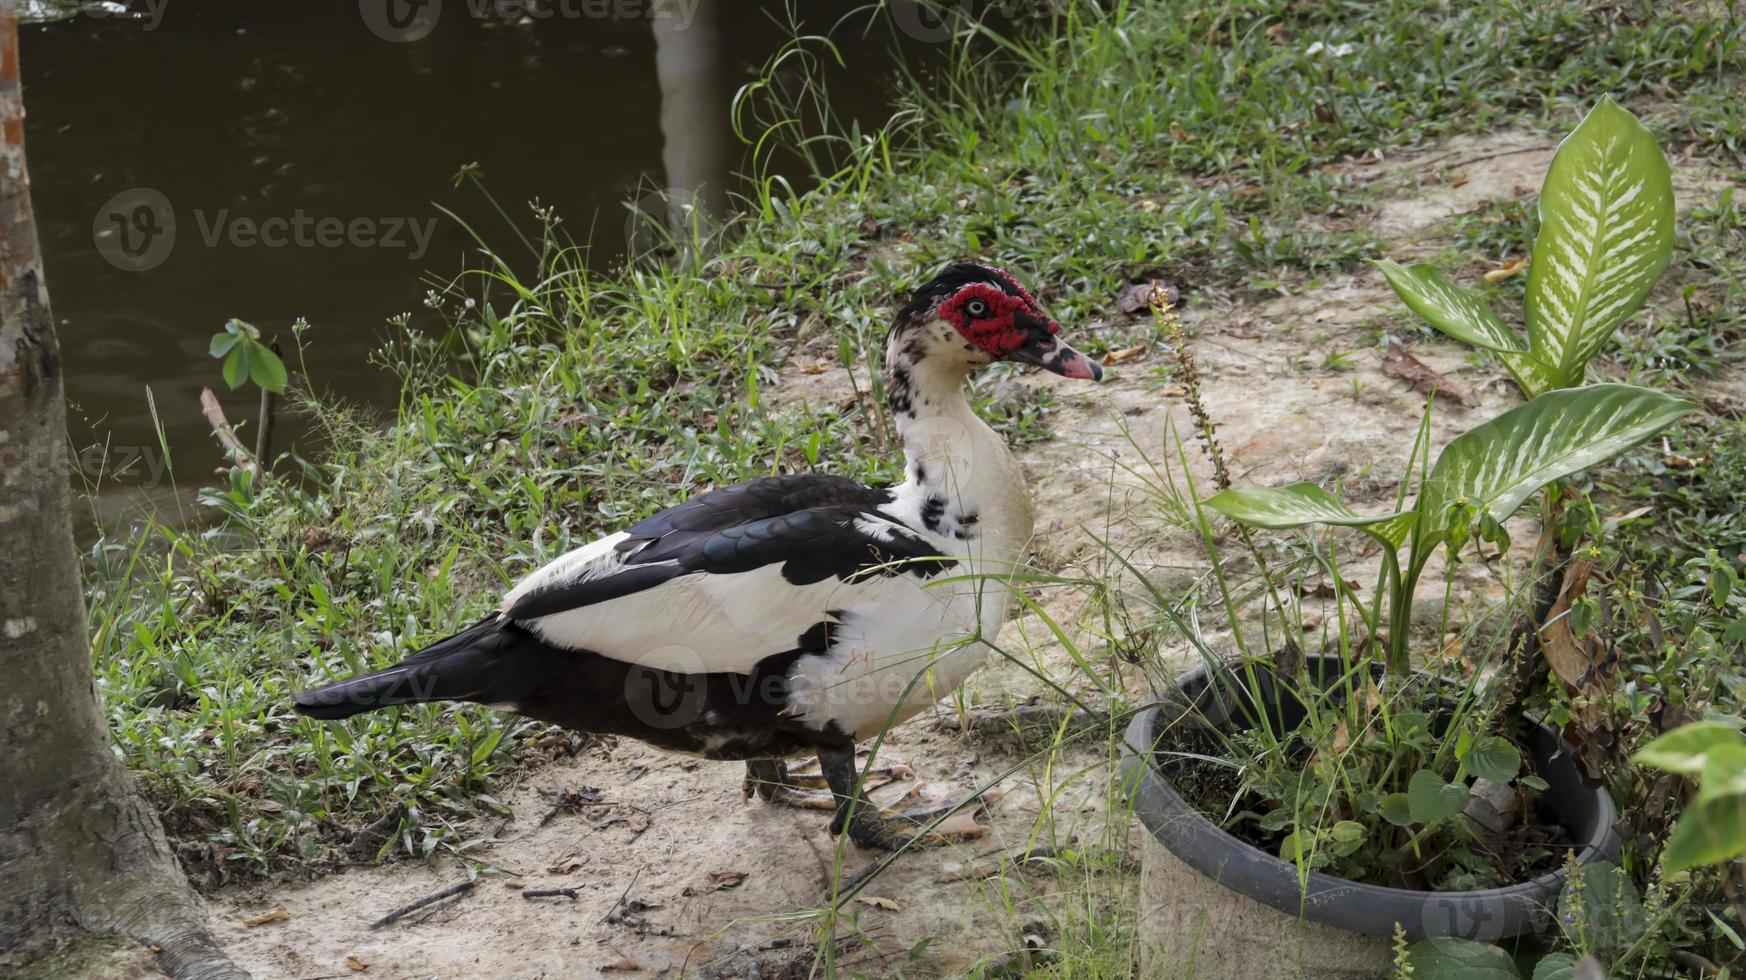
(787, 614)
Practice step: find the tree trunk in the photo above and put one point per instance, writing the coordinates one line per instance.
(80, 850)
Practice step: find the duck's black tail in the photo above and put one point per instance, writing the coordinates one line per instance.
(468, 666)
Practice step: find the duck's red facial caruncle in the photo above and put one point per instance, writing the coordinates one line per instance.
(1008, 325)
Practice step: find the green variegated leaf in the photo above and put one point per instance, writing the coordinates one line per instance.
(1532, 376)
(1494, 466)
(1307, 503)
(1707, 833)
(1685, 750)
(1456, 311)
(1606, 232)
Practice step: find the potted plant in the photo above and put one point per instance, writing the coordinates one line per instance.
(1343, 805)
(1606, 234)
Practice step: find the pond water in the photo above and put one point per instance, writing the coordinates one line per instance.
(193, 162)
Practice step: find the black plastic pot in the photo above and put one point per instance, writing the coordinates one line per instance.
(1586, 813)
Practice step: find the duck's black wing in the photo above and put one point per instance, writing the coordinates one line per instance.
(727, 578)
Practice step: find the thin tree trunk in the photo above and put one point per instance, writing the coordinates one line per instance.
(80, 850)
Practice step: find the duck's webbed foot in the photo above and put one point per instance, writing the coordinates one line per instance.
(869, 825)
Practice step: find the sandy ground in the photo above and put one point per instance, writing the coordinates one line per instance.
(673, 874)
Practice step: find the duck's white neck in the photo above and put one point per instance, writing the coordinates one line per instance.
(960, 478)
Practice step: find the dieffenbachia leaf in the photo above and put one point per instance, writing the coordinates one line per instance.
(1531, 374)
(1494, 466)
(1685, 750)
(1306, 503)
(1455, 310)
(1710, 832)
(1606, 232)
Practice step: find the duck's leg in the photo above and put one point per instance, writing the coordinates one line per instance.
(770, 781)
(867, 824)
(773, 782)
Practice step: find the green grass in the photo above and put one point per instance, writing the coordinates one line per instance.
(1200, 141)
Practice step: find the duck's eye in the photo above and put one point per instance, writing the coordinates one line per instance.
(976, 307)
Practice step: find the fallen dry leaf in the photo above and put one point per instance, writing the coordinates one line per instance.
(1125, 354)
(879, 903)
(1568, 656)
(1629, 515)
(1397, 363)
(1276, 32)
(354, 964)
(277, 915)
(623, 965)
(1460, 181)
(1678, 462)
(962, 825)
(726, 879)
(1508, 270)
(1139, 297)
(568, 864)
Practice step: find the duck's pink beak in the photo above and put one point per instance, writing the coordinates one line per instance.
(1047, 351)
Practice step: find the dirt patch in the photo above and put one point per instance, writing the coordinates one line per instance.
(672, 874)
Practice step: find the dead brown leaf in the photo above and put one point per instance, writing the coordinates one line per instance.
(879, 903)
(354, 964)
(1276, 32)
(625, 964)
(568, 864)
(1508, 270)
(1139, 297)
(277, 915)
(1568, 656)
(1677, 462)
(1125, 354)
(726, 879)
(1397, 363)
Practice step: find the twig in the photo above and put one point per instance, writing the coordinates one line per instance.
(569, 893)
(222, 429)
(264, 425)
(1692, 961)
(1493, 156)
(405, 910)
(621, 897)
